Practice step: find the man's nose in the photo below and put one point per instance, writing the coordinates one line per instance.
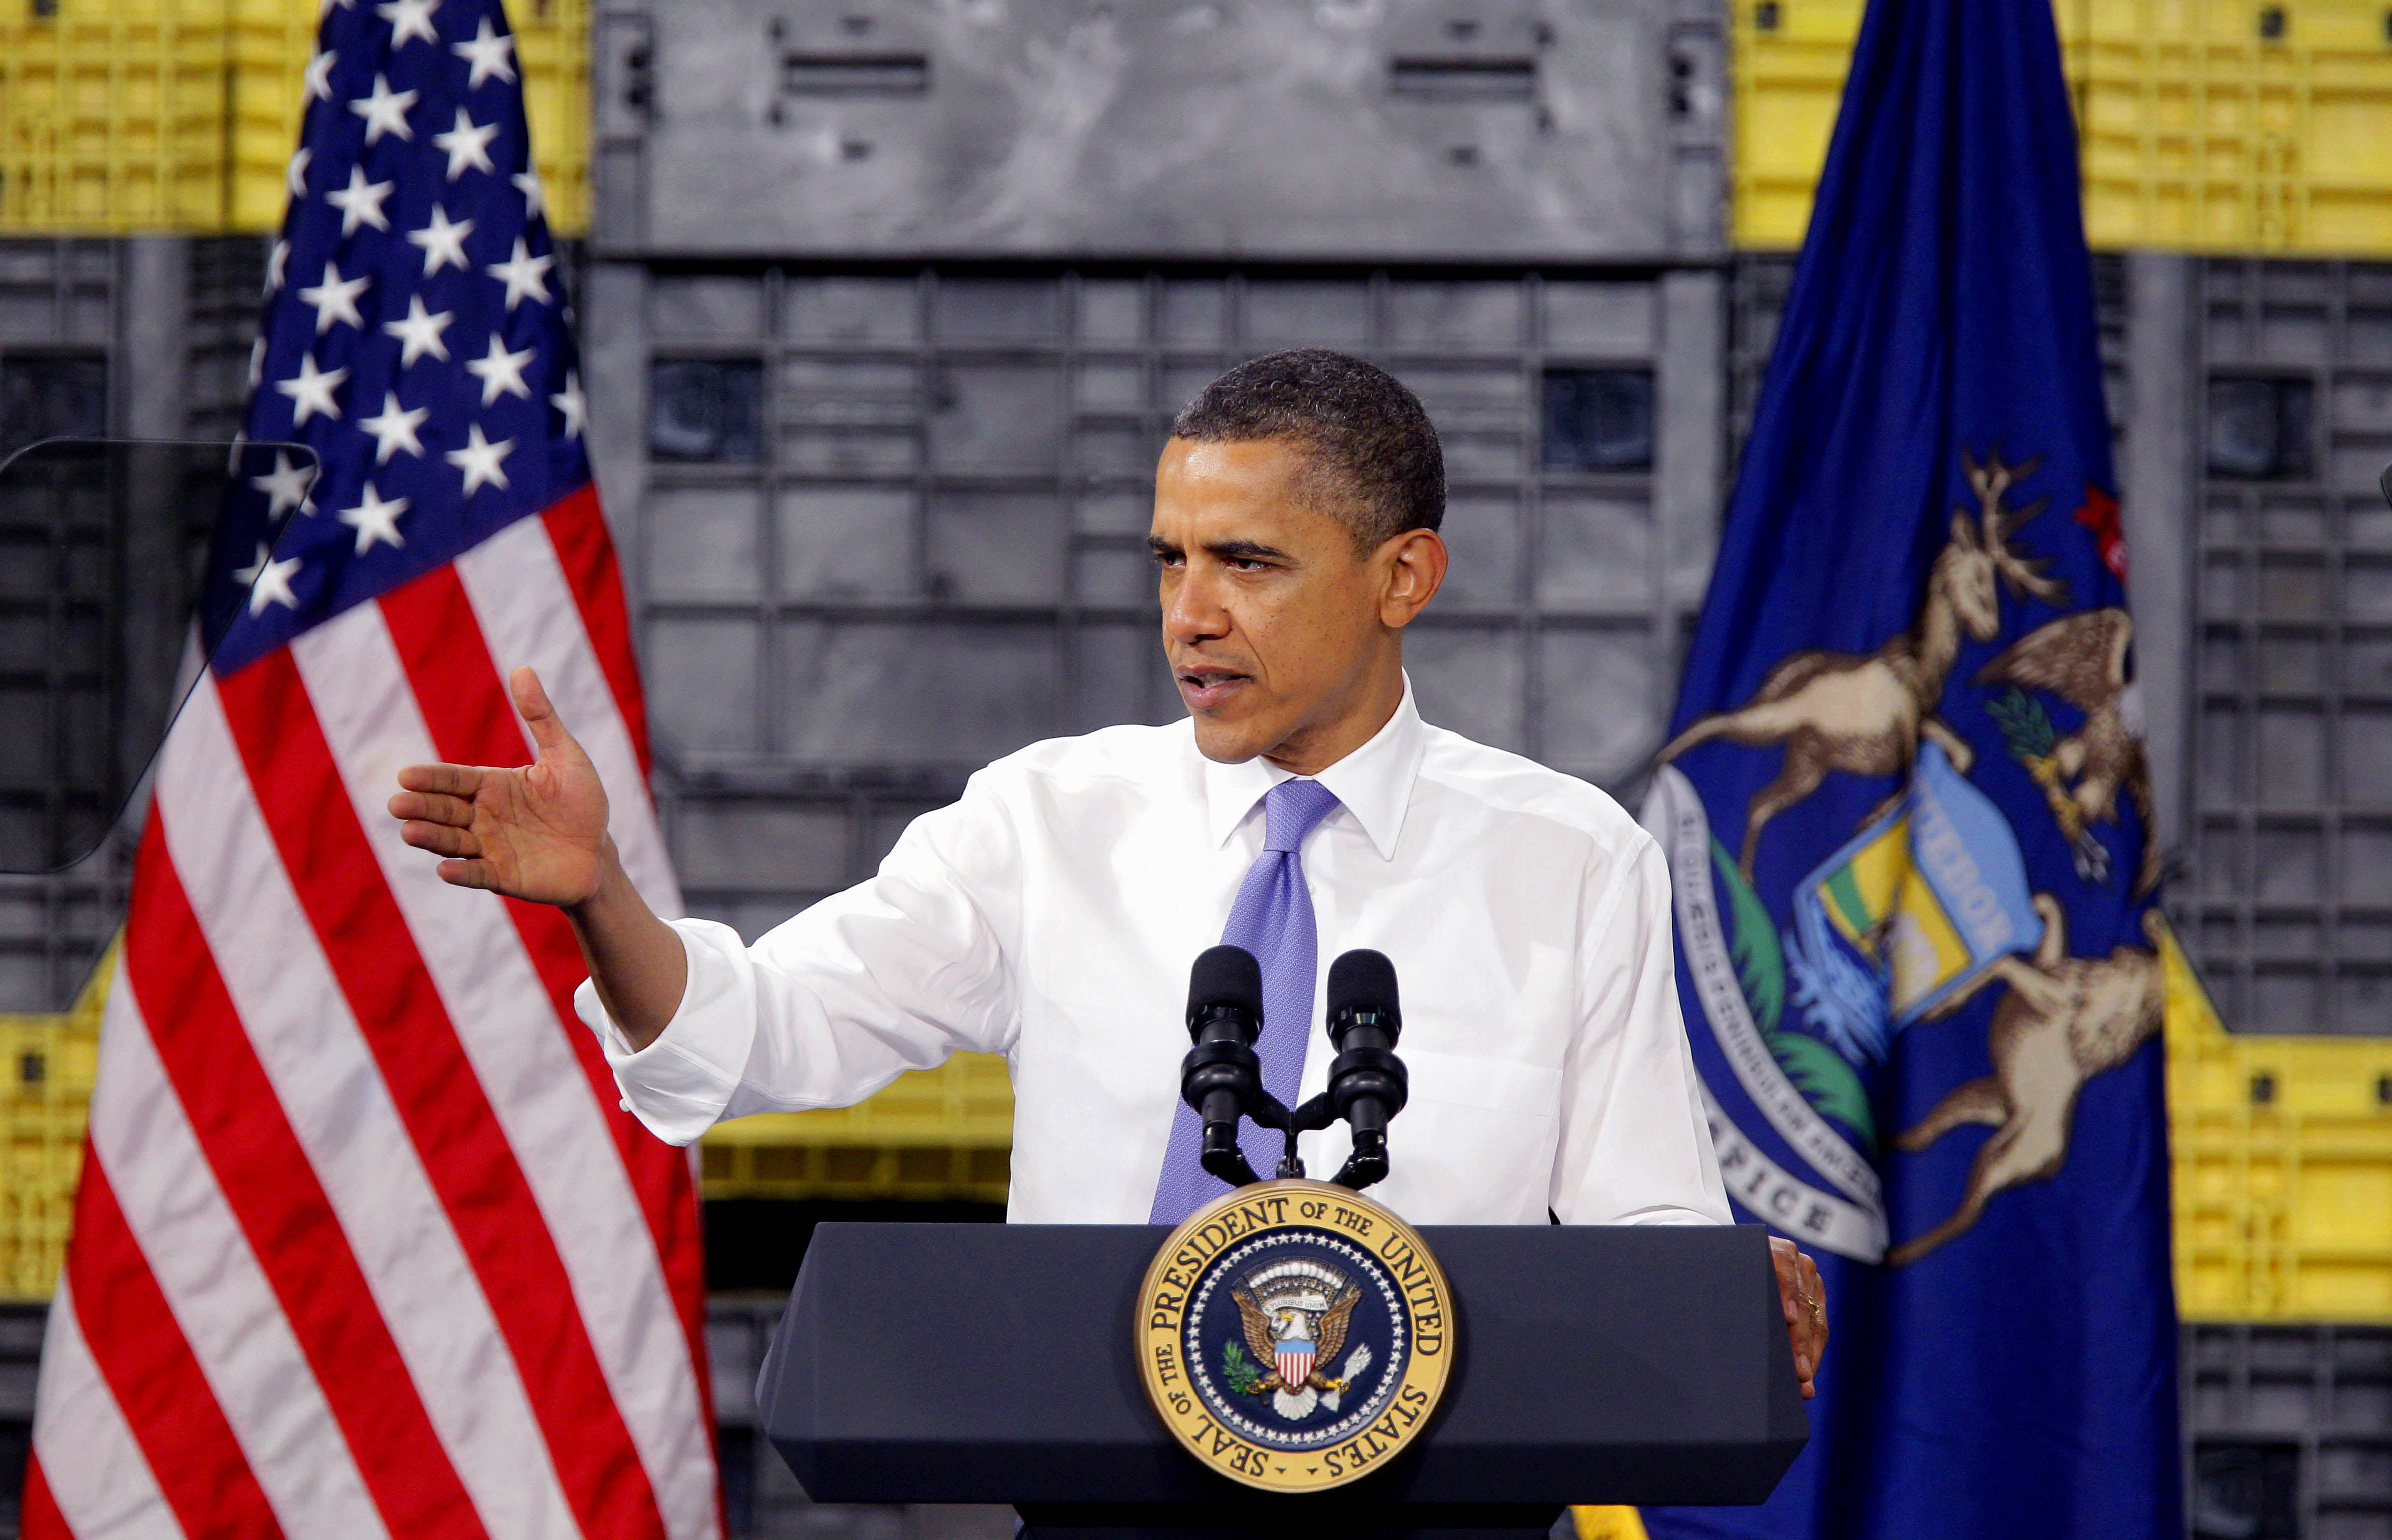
(1193, 612)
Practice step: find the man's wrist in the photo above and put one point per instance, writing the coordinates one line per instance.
(607, 892)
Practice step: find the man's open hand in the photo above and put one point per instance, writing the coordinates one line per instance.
(1806, 1308)
(536, 832)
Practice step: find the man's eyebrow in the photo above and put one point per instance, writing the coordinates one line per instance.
(1246, 550)
(1226, 550)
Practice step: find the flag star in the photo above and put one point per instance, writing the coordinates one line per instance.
(385, 111)
(394, 430)
(375, 519)
(523, 274)
(311, 391)
(335, 298)
(275, 261)
(535, 199)
(360, 201)
(500, 372)
(489, 52)
(418, 331)
(573, 403)
(467, 145)
(295, 179)
(268, 581)
(285, 486)
(257, 360)
(410, 19)
(479, 459)
(442, 241)
(320, 74)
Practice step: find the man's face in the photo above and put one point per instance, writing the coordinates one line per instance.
(1274, 623)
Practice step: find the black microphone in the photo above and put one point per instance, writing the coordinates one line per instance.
(1222, 1076)
(1367, 1084)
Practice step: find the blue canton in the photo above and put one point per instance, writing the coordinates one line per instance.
(415, 330)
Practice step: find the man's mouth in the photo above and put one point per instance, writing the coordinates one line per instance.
(1204, 687)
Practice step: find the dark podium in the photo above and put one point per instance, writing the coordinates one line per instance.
(994, 1363)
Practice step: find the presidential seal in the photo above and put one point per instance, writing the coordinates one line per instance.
(1294, 1335)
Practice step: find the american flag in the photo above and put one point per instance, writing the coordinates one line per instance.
(365, 1244)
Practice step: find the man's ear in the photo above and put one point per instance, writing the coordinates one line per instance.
(1415, 565)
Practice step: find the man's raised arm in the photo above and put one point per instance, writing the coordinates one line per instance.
(538, 832)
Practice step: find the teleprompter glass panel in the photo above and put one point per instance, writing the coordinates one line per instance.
(99, 545)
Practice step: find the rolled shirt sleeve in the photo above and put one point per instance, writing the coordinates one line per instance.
(1634, 1147)
(836, 1003)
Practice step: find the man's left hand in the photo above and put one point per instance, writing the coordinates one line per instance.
(1805, 1298)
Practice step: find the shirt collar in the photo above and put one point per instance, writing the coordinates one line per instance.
(1373, 783)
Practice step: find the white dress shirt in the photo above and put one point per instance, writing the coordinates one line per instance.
(1051, 917)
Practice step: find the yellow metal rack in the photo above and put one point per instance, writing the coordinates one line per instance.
(2283, 1150)
(2216, 125)
(43, 1098)
(180, 116)
(942, 1134)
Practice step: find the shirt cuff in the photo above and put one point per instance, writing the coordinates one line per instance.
(679, 1085)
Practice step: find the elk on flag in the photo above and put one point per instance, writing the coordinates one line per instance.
(364, 1246)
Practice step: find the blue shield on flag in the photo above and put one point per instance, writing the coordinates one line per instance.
(1908, 822)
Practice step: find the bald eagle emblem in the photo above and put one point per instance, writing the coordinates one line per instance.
(1294, 1316)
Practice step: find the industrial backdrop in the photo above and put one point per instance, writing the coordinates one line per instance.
(887, 306)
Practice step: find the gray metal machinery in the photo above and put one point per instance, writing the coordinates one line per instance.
(915, 290)
(144, 337)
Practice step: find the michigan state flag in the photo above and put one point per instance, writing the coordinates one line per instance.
(1908, 822)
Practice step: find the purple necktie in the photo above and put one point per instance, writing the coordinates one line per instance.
(1272, 919)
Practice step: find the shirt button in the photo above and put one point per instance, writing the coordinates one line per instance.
(624, 1104)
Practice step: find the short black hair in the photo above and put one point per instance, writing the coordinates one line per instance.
(1375, 461)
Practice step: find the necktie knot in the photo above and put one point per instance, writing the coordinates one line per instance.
(1291, 809)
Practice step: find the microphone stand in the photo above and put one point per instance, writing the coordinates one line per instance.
(1366, 1165)
(1221, 1077)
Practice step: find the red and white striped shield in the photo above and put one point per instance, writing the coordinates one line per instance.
(1293, 1360)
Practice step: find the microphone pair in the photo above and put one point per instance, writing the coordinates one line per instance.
(1221, 1077)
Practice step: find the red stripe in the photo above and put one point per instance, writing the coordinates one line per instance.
(38, 1512)
(473, 721)
(578, 528)
(447, 1114)
(272, 1190)
(148, 1367)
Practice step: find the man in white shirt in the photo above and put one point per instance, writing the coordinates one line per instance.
(1304, 809)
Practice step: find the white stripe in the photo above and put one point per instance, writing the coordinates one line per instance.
(526, 1066)
(298, 1020)
(214, 1287)
(529, 614)
(96, 1472)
